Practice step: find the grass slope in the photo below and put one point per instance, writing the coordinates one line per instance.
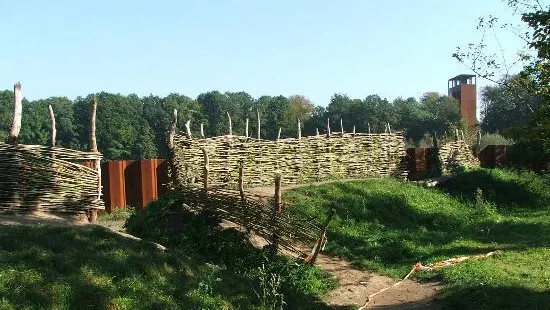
(388, 225)
(91, 268)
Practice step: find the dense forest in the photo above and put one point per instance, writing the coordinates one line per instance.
(130, 127)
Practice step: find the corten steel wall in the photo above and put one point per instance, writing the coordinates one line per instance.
(133, 182)
(420, 160)
(493, 156)
(468, 103)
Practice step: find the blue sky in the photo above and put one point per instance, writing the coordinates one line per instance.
(315, 48)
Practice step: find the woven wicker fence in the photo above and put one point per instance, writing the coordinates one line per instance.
(456, 154)
(42, 178)
(296, 234)
(298, 160)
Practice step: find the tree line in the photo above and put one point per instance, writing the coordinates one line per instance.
(130, 127)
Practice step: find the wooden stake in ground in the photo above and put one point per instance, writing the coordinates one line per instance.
(52, 125)
(171, 134)
(205, 170)
(277, 210)
(279, 134)
(368, 125)
(92, 217)
(230, 125)
(188, 129)
(322, 236)
(299, 130)
(246, 128)
(328, 128)
(342, 127)
(17, 112)
(259, 124)
(202, 130)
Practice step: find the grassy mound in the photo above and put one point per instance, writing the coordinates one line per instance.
(388, 225)
(248, 277)
(91, 268)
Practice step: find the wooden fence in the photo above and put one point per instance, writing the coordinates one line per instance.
(49, 178)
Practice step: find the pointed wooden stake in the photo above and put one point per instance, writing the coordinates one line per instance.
(368, 125)
(188, 129)
(52, 125)
(202, 130)
(246, 128)
(173, 126)
(259, 125)
(342, 127)
(299, 130)
(230, 125)
(328, 127)
(279, 134)
(17, 113)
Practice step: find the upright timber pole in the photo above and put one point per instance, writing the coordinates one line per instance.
(93, 148)
(17, 112)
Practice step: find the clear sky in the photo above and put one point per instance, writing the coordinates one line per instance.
(315, 48)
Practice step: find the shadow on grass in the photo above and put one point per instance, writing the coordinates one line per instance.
(503, 188)
(87, 268)
(481, 297)
(45, 267)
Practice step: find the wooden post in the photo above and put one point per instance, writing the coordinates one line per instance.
(241, 179)
(205, 170)
(246, 128)
(462, 135)
(17, 112)
(278, 199)
(279, 134)
(342, 127)
(299, 130)
(172, 131)
(259, 125)
(171, 152)
(322, 236)
(188, 129)
(389, 128)
(317, 132)
(277, 210)
(230, 125)
(92, 216)
(354, 130)
(52, 125)
(368, 125)
(202, 130)
(456, 134)
(328, 127)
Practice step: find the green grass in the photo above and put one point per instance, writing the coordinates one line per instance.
(91, 268)
(388, 225)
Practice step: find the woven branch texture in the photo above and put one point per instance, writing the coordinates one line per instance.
(41, 178)
(296, 233)
(298, 160)
(456, 154)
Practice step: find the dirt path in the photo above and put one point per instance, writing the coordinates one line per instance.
(356, 285)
